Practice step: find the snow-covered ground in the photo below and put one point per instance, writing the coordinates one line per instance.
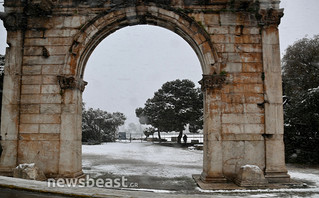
(142, 158)
(171, 168)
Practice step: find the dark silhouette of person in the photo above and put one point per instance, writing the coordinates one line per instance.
(185, 139)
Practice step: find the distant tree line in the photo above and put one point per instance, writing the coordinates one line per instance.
(100, 126)
(301, 101)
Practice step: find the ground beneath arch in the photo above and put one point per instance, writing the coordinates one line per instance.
(169, 169)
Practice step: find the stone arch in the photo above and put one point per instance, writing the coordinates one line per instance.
(103, 25)
(43, 82)
(98, 28)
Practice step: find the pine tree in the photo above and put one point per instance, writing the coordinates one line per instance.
(176, 104)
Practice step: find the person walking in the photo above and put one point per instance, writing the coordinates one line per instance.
(185, 139)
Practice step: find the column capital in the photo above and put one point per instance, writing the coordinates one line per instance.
(13, 21)
(214, 81)
(270, 17)
(70, 82)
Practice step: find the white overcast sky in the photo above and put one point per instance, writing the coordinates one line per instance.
(132, 63)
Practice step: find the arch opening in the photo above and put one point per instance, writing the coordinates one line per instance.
(132, 63)
(185, 65)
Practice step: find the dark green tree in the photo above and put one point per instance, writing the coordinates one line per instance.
(172, 107)
(100, 126)
(301, 100)
(301, 67)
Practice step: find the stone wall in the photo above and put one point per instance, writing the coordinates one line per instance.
(236, 42)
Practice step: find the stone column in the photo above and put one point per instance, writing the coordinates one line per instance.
(70, 163)
(11, 103)
(213, 154)
(274, 146)
(14, 22)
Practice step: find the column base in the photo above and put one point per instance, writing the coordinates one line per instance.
(277, 177)
(212, 179)
(6, 172)
(78, 174)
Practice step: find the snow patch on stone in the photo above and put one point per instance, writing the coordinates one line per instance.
(28, 171)
(24, 166)
(250, 175)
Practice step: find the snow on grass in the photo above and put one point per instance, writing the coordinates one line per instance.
(168, 162)
(142, 159)
(146, 152)
(305, 176)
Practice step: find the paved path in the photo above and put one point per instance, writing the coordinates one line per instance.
(39, 186)
(42, 187)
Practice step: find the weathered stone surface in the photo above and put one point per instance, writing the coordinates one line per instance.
(29, 128)
(252, 67)
(30, 108)
(40, 60)
(49, 128)
(40, 119)
(8, 155)
(51, 98)
(30, 99)
(28, 171)
(50, 108)
(31, 70)
(42, 149)
(233, 67)
(73, 152)
(31, 80)
(50, 89)
(243, 128)
(50, 69)
(30, 89)
(250, 175)
(49, 80)
(243, 119)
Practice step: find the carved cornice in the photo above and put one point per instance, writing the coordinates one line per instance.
(270, 16)
(18, 20)
(39, 7)
(14, 21)
(214, 81)
(70, 82)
